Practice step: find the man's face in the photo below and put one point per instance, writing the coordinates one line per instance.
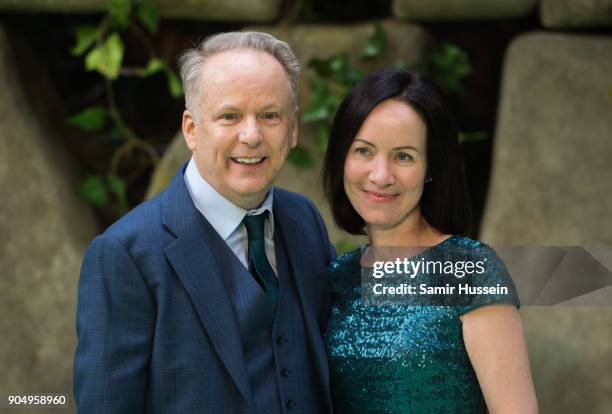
(245, 127)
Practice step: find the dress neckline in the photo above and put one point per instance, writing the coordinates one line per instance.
(433, 246)
(428, 249)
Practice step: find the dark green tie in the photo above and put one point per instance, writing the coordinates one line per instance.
(259, 266)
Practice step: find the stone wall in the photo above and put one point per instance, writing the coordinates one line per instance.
(550, 186)
(437, 10)
(566, 14)
(45, 229)
(228, 10)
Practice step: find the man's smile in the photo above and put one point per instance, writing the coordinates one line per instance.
(248, 160)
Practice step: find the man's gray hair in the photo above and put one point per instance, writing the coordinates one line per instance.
(192, 60)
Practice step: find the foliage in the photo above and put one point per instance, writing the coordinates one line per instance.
(376, 44)
(90, 119)
(103, 51)
(449, 65)
(334, 77)
(300, 157)
(106, 58)
(99, 190)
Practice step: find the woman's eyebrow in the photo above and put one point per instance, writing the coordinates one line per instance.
(407, 147)
(365, 142)
(394, 149)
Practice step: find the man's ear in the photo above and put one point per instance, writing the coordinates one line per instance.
(189, 127)
(294, 131)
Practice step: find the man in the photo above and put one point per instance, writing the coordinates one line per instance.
(209, 298)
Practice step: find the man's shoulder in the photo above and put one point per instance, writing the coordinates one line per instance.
(141, 222)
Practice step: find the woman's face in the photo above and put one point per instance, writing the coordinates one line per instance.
(384, 170)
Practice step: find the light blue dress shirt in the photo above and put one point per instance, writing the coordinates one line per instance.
(226, 217)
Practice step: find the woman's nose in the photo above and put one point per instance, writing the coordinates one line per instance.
(381, 173)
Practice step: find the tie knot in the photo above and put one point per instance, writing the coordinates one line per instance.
(255, 226)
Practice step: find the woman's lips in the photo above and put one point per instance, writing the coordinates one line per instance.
(379, 197)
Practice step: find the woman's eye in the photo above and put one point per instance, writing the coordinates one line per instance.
(403, 156)
(362, 151)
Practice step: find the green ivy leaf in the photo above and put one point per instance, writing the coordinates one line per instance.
(300, 157)
(90, 119)
(473, 136)
(174, 83)
(148, 15)
(118, 187)
(106, 58)
(154, 66)
(93, 190)
(85, 38)
(119, 11)
(377, 43)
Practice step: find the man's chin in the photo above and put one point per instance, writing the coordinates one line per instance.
(250, 194)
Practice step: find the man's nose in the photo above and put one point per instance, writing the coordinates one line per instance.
(381, 173)
(250, 134)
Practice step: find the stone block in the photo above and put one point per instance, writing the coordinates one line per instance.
(45, 229)
(229, 10)
(568, 14)
(551, 173)
(435, 10)
(550, 185)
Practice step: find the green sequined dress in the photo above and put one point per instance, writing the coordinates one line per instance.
(404, 359)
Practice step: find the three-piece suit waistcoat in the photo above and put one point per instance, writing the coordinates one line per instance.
(282, 379)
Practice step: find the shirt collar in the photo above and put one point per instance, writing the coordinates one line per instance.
(221, 213)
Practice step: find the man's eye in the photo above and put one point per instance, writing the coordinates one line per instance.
(229, 117)
(403, 156)
(270, 115)
(362, 151)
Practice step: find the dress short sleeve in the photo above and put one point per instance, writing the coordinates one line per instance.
(493, 286)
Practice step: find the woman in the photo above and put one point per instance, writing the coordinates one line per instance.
(393, 170)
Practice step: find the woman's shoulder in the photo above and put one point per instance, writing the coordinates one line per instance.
(469, 246)
(346, 261)
(491, 280)
(459, 240)
(465, 249)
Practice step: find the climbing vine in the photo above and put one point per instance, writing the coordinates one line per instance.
(103, 50)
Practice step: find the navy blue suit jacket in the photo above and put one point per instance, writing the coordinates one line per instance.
(156, 331)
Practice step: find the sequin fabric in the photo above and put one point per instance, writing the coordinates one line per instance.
(401, 359)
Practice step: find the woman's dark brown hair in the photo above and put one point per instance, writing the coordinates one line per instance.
(444, 203)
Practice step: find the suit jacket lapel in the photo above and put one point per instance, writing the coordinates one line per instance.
(194, 262)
